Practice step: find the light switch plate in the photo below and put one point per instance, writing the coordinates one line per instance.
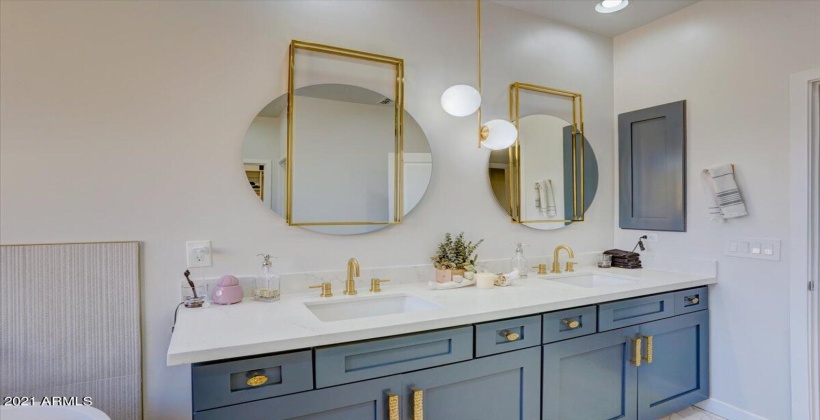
(750, 247)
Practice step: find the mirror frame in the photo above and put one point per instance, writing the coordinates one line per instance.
(515, 152)
(398, 64)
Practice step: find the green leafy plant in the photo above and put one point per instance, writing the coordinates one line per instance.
(456, 254)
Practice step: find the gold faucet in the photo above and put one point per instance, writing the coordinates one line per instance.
(556, 266)
(352, 271)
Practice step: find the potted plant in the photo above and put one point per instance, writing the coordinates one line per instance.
(454, 257)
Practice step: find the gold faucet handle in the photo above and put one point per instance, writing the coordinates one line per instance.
(571, 266)
(326, 289)
(542, 268)
(376, 285)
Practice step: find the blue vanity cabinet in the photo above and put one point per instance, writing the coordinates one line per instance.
(634, 359)
(678, 375)
(504, 386)
(609, 375)
(367, 400)
(591, 377)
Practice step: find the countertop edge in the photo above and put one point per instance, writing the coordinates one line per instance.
(302, 343)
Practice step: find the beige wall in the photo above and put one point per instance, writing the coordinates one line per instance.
(125, 120)
(731, 61)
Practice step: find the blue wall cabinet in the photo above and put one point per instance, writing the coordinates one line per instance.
(504, 386)
(678, 375)
(591, 377)
(368, 400)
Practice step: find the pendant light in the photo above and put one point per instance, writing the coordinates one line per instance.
(464, 100)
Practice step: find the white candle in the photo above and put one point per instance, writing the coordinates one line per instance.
(485, 280)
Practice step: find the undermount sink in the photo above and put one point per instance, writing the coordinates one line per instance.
(592, 280)
(369, 306)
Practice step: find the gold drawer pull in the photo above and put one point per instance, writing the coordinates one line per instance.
(636, 354)
(572, 324)
(393, 407)
(257, 380)
(692, 300)
(418, 404)
(510, 336)
(648, 356)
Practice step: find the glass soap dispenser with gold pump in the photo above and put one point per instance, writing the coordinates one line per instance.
(518, 262)
(267, 282)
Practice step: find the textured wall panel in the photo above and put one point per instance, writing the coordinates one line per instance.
(71, 323)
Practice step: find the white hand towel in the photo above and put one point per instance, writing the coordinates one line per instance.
(727, 195)
(543, 194)
(711, 198)
(551, 210)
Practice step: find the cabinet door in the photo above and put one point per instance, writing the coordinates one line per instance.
(504, 386)
(679, 373)
(366, 400)
(591, 377)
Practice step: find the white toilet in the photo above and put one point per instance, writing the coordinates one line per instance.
(55, 412)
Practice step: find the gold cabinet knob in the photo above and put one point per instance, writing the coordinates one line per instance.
(572, 324)
(326, 289)
(693, 300)
(510, 336)
(376, 285)
(257, 380)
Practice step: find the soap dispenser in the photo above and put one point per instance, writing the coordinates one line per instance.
(519, 262)
(267, 282)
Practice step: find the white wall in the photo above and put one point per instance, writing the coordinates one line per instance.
(731, 61)
(346, 145)
(125, 120)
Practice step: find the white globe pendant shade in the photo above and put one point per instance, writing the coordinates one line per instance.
(501, 134)
(460, 100)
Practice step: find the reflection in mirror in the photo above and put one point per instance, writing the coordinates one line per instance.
(344, 157)
(546, 173)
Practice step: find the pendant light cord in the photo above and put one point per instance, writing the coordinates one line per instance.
(480, 93)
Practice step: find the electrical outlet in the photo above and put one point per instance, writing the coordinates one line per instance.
(651, 237)
(198, 253)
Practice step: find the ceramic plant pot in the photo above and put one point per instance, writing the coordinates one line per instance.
(444, 276)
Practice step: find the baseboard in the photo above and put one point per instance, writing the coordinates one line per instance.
(727, 411)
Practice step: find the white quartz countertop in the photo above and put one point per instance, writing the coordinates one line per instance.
(250, 328)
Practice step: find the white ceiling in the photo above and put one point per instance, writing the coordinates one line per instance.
(582, 14)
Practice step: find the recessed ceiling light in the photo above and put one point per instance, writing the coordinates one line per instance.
(609, 6)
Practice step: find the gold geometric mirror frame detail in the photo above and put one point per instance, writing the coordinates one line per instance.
(398, 65)
(514, 154)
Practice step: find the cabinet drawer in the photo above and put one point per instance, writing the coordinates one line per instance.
(507, 335)
(570, 323)
(370, 359)
(217, 384)
(635, 311)
(691, 300)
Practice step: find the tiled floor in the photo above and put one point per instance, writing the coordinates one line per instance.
(693, 413)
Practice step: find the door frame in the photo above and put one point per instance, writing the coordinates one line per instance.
(407, 158)
(805, 368)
